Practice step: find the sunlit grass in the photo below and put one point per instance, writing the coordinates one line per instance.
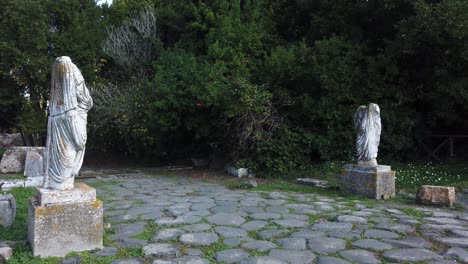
(413, 175)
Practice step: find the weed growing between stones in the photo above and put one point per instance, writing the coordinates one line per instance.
(313, 219)
(257, 253)
(107, 241)
(458, 207)
(147, 234)
(413, 212)
(100, 184)
(211, 250)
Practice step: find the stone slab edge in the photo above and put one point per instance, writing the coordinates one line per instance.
(81, 193)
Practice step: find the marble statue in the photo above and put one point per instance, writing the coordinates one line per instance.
(66, 128)
(368, 127)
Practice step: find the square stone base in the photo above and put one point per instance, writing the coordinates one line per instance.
(81, 193)
(56, 229)
(375, 182)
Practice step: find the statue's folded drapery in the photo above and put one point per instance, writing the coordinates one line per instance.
(368, 128)
(66, 129)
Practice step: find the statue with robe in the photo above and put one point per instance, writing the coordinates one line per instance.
(368, 128)
(66, 128)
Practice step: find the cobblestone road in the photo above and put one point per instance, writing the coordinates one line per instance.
(191, 221)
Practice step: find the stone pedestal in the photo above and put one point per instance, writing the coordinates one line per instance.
(375, 182)
(61, 222)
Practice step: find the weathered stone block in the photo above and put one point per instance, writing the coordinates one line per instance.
(34, 164)
(436, 195)
(27, 182)
(5, 252)
(375, 182)
(9, 140)
(81, 193)
(14, 158)
(7, 209)
(238, 172)
(56, 229)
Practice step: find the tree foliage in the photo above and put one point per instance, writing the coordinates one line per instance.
(32, 35)
(272, 83)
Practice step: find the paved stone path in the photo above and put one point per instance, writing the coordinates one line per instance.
(191, 221)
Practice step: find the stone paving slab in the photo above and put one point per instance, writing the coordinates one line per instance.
(199, 222)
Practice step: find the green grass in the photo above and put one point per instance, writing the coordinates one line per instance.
(19, 229)
(324, 171)
(413, 212)
(102, 183)
(2, 151)
(212, 249)
(410, 176)
(17, 176)
(289, 186)
(150, 230)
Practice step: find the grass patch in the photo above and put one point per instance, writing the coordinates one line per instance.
(287, 186)
(324, 171)
(150, 230)
(102, 183)
(17, 176)
(106, 240)
(410, 176)
(313, 219)
(413, 212)
(19, 229)
(2, 151)
(211, 250)
(257, 253)
(23, 254)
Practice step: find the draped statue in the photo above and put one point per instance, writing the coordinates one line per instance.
(66, 127)
(368, 127)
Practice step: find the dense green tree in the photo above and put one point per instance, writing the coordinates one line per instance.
(273, 83)
(32, 35)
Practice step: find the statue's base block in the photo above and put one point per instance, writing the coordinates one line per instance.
(56, 229)
(375, 182)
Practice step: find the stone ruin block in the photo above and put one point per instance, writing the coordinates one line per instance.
(61, 222)
(5, 252)
(10, 140)
(13, 159)
(7, 210)
(375, 182)
(34, 164)
(237, 172)
(436, 195)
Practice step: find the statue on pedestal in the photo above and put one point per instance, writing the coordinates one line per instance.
(368, 127)
(64, 216)
(367, 178)
(66, 128)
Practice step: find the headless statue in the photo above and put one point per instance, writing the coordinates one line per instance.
(368, 127)
(66, 127)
